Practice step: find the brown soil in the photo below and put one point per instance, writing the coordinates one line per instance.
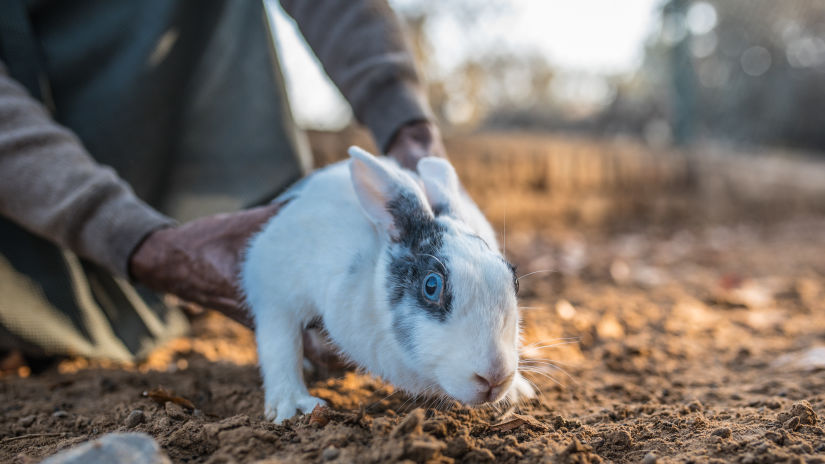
(698, 345)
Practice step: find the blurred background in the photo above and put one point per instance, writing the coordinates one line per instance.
(662, 95)
(656, 171)
(744, 72)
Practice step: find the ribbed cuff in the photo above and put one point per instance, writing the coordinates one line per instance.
(391, 106)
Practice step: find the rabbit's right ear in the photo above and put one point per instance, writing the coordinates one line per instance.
(440, 184)
(390, 200)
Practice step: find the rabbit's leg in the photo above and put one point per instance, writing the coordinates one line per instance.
(280, 355)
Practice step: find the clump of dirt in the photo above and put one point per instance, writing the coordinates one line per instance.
(702, 344)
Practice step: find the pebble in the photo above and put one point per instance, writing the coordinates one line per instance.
(60, 414)
(134, 418)
(650, 458)
(27, 421)
(330, 453)
(723, 432)
(804, 412)
(123, 448)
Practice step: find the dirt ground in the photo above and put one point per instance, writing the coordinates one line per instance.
(698, 344)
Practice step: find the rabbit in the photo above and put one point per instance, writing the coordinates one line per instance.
(405, 275)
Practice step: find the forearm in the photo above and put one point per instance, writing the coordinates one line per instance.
(52, 187)
(362, 48)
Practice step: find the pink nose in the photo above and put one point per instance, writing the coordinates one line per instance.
(493, 384)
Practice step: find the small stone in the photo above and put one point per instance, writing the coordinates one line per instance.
(175, 411)
(134, 418)
(60, 414)
(723, 432)
(804, 412)
(27, 421)
(330, 453)
(650, 458)
(792, 423)
(126, 448)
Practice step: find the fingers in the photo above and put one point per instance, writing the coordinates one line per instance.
(415, 141)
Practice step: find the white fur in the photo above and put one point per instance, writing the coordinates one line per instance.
(325, 254)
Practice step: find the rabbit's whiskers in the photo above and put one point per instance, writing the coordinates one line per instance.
(534, 272)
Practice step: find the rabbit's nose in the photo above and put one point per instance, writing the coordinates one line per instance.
(493, 383)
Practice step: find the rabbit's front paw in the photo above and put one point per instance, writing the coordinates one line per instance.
(284, 408)
(520, 390)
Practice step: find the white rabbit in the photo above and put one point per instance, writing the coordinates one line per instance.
(404, 273)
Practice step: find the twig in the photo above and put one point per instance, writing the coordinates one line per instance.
(31, 435)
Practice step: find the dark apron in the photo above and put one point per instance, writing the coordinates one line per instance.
(185, 100)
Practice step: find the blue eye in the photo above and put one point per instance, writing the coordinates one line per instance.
(433, 286)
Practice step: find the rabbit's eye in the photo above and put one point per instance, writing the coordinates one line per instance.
(433, 286)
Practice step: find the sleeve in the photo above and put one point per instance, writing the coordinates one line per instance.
(361, 45)
(52, 187)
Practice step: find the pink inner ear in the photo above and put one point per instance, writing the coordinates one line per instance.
(374, 191)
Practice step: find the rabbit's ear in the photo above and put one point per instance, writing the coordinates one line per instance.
(440, 184)
(391, 200)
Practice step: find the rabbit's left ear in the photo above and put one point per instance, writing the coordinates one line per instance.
(440, 184)
(391, 200)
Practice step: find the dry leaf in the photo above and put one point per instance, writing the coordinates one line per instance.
(516, 421)
(319, 415)
(508, 425)
(160, 395)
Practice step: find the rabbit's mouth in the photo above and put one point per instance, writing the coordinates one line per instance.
(479, 391)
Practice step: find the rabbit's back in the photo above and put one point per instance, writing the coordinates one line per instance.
(313, 242)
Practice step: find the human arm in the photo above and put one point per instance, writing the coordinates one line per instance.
(362, 48)
(52, 187)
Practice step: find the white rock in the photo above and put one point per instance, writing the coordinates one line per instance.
(123, 448)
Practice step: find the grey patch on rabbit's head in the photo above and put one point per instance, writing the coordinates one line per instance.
(415, 252)
(412, 222)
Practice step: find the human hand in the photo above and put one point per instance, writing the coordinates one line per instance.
(414, 141)
(199, 261)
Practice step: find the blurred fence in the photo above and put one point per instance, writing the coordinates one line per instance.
(550, 180)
